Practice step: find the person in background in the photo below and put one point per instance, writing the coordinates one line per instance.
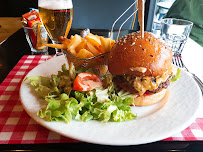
(191, 10)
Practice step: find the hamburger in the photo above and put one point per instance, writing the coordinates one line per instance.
(142, 66)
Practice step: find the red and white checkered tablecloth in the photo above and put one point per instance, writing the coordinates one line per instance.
(16, 127)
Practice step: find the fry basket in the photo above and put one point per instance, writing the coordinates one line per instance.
(96, 63)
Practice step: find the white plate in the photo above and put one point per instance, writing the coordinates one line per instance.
(154, 122)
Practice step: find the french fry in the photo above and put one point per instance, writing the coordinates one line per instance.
(72, 51)
(80, 46)
(58, 46)
(71, 37)
(83, 53)
(96, 36)
(91, 46)
(112, 42)
(92, 49)
(105, 44)
(93, 39)
(64, 41)
(75, 41)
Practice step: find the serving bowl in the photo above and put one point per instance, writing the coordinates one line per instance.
(97, 63)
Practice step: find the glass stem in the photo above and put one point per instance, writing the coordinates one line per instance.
(58, 51)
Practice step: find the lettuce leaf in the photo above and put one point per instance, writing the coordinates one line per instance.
(177, 76)
(64, 104)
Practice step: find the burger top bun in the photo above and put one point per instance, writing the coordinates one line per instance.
(133, 55)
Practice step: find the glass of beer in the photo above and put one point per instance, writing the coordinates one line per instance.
(56, 15)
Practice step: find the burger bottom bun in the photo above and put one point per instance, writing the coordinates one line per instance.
(149, 99)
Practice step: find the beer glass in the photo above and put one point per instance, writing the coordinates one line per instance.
(56, 15)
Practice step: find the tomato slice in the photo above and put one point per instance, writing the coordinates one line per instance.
(147, 93)
(86, 81)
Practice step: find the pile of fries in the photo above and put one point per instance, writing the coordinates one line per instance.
(92, 45)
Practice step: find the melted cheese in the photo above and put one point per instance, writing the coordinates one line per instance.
(142, 84)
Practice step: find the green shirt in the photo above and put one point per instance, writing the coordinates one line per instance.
(191, 10)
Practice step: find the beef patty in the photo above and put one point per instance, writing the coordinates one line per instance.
(128, 85)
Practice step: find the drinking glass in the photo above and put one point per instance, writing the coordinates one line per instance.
(56, 15)
(36, 36)
(175, 32)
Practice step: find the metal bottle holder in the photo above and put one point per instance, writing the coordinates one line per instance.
(124, 21)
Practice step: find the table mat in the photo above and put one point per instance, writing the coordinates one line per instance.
(16, 126)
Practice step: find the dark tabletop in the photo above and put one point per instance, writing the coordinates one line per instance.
(11, 51)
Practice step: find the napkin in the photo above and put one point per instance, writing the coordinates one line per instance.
(193, 57)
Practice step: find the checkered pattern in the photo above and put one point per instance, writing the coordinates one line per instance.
(16, 127)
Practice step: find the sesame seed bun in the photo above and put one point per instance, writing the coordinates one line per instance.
(133, 55)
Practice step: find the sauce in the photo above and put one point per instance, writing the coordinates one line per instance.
(142, 84)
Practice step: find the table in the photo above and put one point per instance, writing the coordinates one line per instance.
(8, 26)
(18, 47)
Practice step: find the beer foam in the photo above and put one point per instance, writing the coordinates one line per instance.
(55, 4)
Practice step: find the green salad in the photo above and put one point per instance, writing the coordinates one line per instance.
(106, 103)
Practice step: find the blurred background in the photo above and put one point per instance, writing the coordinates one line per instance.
(93, 14)
(97, 14)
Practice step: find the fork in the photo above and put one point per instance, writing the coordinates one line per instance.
(177, 60)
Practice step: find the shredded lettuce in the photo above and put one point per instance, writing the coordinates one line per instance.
(64, 104)
(177, 76)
